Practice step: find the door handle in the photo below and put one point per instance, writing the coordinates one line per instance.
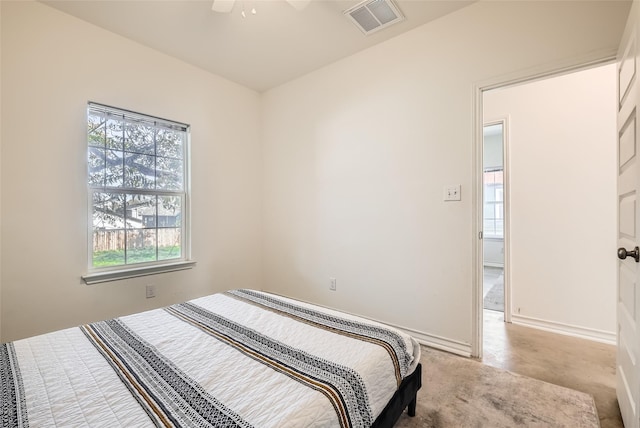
(624, 253)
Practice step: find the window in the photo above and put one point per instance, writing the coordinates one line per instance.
(493, 203)
(138, 193)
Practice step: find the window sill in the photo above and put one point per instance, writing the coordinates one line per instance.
(115, 275)
(493, 238)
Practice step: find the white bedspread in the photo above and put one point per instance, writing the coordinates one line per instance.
(241, 358)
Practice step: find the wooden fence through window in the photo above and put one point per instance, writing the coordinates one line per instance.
(114, 239)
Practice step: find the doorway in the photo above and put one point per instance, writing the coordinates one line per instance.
(493, 284)
(559, 168)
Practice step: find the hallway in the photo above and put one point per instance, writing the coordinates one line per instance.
(493, 288)
(571, 362)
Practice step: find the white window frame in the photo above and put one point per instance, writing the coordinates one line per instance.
(102, 274)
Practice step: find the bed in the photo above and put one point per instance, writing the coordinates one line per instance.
(241, 358)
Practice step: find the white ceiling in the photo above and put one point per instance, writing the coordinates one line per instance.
(260, 51)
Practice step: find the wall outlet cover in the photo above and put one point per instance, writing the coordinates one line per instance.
(151, 291)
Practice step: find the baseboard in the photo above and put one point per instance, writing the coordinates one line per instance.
(437, 342)
(565, 329)
(426, 339)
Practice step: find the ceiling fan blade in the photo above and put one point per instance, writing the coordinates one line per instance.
(298, 4)
(222, 6)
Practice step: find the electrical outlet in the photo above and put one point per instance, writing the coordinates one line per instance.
(151, 291)
(332, 284)
(452, 192)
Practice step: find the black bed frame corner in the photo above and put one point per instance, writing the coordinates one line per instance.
(404, 397)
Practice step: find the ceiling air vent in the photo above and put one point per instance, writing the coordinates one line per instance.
(373, 15)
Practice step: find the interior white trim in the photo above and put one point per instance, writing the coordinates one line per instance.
(608, 337)
(438, 342)
(496, 265)
(129, 272)
(432, 340)
(426, 339)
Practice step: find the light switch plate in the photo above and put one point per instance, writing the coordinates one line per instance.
(452, 192)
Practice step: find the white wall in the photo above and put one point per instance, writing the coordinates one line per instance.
(52, 64)
(355, 159)
(356, 156)
(493, 249)
(492, 153)
(562, 160)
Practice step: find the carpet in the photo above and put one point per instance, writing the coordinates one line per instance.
(460, 392)
(494, 299)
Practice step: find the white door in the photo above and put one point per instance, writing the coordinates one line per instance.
(628, 304)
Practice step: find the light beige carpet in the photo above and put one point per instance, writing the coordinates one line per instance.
(460, 392)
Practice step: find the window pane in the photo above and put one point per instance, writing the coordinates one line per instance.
(169, 211)
(493, 203)
(141, 245)
(489, 193)
(139, 208)
(113, 168)
(170, 173)
(488, 209)
(170, 143)
(96, 128)
(108, 211)
(108, 248)
(169, 243)
(96, 166)
(138, 138)
(139, 171)
(108, 229)
(115, 130)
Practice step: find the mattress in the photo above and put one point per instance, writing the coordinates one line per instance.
(242, 358)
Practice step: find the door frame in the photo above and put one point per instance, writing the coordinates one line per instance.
(478, 88)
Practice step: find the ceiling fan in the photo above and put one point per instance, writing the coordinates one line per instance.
(225, 6)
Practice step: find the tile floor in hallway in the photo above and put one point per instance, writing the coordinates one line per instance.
(571, 362)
